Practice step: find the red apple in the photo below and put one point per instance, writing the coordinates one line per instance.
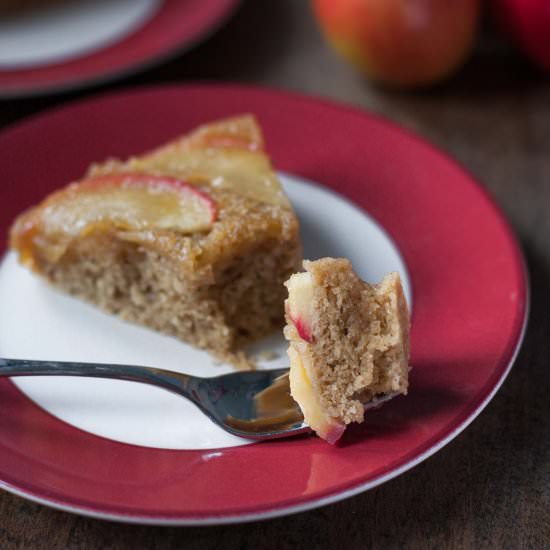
(406, 43)
(528, 22)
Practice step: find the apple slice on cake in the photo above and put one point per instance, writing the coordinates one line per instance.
(194, 239)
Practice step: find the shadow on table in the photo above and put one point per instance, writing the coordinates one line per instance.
(404, 415)
(255, 37)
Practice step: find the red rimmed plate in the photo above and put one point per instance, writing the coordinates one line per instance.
(470, 308)
(164, 27)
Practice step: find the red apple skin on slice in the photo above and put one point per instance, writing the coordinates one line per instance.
(334, 432)
(163, 202)
(303, 329)
(123, 201)
(302, 326)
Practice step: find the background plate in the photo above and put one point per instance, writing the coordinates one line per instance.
(175, 26)
(469, 292)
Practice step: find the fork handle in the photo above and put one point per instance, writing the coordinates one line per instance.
(169, 380)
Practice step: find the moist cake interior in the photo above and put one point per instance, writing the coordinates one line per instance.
(349, 338)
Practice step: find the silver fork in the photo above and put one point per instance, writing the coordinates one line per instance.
(251, 404)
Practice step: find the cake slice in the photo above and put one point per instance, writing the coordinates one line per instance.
(348, 343)
(194, 239)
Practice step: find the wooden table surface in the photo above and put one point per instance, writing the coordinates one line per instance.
(491, 486)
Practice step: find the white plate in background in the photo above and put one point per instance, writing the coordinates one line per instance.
(63, 30)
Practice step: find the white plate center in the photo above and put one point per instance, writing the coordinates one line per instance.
(37, 322)
(67, 29)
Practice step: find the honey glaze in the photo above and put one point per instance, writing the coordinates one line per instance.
(275, 409)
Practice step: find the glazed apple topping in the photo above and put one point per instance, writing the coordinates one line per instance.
(229, 154)
(132, 202)
(123, 202)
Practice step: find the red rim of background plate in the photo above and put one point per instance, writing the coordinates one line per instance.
(470, 310)
(175, 27)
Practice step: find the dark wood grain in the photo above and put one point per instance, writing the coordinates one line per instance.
(490, 488)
